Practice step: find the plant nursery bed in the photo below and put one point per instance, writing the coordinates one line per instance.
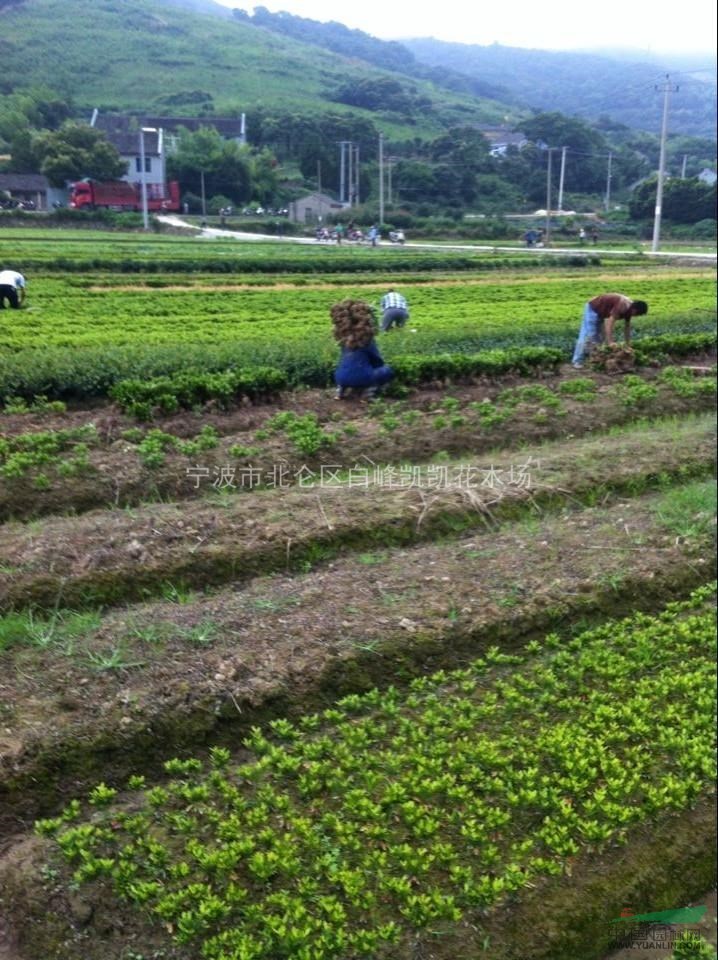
(84, 459)
(86, 695)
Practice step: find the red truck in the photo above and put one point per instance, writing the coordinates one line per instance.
(120, 195)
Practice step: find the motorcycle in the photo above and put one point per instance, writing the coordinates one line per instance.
(397, 236)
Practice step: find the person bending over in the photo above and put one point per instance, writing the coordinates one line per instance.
(12, 289)
(394, 310)
(599, 321)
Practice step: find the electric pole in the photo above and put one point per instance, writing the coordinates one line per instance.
(548, 199)
(381, 179)
(560, 179)
(355, 193)
(608, 183)
(668, 88)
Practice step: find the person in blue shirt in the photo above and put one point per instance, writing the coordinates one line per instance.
(361, 366)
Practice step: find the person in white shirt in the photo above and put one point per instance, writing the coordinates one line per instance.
(12, 289)
(394, 310)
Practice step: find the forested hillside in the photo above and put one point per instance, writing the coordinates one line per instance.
(145, 55)
(583, 84)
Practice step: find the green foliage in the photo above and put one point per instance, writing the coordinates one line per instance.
(346, 830)
(24, 452)
(692, 946)
(582, 84)
(684, 200)
(689, 512)
(416, 369)
(187, 390)
(224, 164)
(304, 431)
(75, 151)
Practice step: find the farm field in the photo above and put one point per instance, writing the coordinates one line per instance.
(283, 678)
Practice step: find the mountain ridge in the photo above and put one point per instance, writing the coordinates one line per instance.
(576, 82)
(199, 56)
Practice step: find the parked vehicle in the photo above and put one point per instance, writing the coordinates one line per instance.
(397, 236)
(120, 195)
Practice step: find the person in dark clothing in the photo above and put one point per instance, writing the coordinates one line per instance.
(361, 366)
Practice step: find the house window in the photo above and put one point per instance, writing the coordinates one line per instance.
(148, 164)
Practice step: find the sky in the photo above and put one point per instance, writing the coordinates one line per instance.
(645, 25)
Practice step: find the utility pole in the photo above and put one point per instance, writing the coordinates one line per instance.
(390, 161)
(350, 191)
(143, 182)
(560, 179)
(683, 166)
(342, 158)
(607, 201)
(381, 179)
(547, 236)
(355, 193)
(319, 177)
(668, 88)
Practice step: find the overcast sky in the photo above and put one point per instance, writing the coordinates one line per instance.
(645, 25)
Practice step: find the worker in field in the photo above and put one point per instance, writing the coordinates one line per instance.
(394, 310)
(12, 289)
(361, 366)
(599, 321)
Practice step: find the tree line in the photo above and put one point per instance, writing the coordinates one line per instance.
(291, 152)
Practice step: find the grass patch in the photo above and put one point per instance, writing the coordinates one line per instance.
(689, 511)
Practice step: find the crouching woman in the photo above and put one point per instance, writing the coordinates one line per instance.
(361, 365)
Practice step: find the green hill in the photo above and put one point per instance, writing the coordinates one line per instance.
(584, 84)
(147, 55)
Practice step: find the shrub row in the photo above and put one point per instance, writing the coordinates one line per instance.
(673, 345)
(187, 390)
(330, 262)
(71, 374)
(419, 369)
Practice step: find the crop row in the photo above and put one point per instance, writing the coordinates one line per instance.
(140, 397)
(123, 255)
(75, 374)
(63, 315)
(393, 811)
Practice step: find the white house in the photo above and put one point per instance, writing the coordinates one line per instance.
(500, 139)
(141, 147)
(314, 208)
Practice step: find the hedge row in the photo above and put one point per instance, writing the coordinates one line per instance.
(523, 360)
(673, 345)
(140, 397)
(330, 261)
(187, 390)
(167, 394)
(71, 374)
